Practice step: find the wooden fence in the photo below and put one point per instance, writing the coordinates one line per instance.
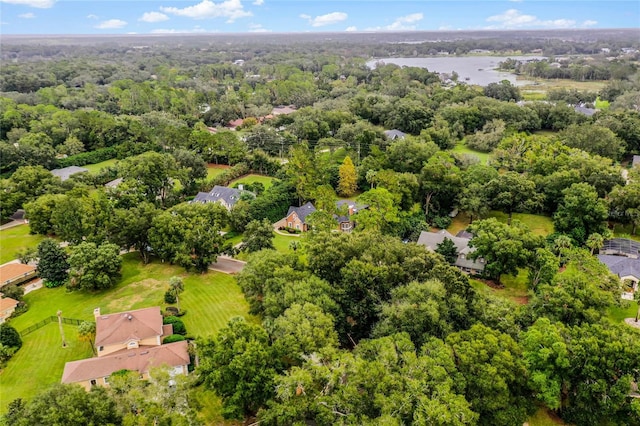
(49, 320)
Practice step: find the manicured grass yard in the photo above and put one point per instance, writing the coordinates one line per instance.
(210, 300)
(461, 148)
(267, 181)
(14, 239)
(543, 417)
(40, 362)
(95, 168)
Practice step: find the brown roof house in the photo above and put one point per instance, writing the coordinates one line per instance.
(296, 218)
(16, 273)
(7, 306)
(128, 341)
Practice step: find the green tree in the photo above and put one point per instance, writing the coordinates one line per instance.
(347, 184)
(68, 405)
(87, 333)
(40, 211)
(240, 365)
(302, 330)
(381, 212)
(151, 173)
(191, 168)
(9, 336)
(542, 268)
(440, 181)
(494, 373)
(129, 228)
(258, 235)
(512, 192)
(176, 286)
(94, 267)
(581, 213)
(52, 263)
(448, 249)
(504, 248)
(594, 139)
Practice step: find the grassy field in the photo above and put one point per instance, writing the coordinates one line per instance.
(267, 181)
(515, 287)
(14, 239)
(214, 170)
(624, 231)
(538, 224)
(461, 148)
(40, 362)
(628, 310)
(544, 85)
(281, 243)
(210, 300)
(95, 168)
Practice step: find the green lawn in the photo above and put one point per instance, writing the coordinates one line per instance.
(14, 239)
(214, 170)
(627, 310)
(95, 168)
(461, 148)
(267, 181)
(515, 287)
(210, 300)
(40, 362)
(538, 224)
(281, 243)
(624, 231)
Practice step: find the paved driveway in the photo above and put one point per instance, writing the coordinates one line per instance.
(227, 265)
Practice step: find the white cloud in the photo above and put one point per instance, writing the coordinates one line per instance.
(153, 17)
(351, 29)
(589, 23)
(403, 23)
(328, 19)
(111, 24)
(258, 2)
(40, 4)
(513, 18)
(27, 15)
(92, 16)
(516, 1)
(230, 9)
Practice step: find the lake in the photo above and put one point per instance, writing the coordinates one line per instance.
(478, 70)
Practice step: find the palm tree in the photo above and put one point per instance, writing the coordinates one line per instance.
(176, 286)
(595, 241)
(561, 244)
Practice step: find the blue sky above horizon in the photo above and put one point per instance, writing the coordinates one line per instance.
(240, 16)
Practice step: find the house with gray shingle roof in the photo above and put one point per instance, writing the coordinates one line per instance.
(431, 240)
(228, 197)
(626, 268)
(67, 172)
(296, 218)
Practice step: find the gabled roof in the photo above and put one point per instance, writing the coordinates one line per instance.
(302, 212)
(230, 196)
(7, 303)
(125, 326)
(432, 239)
(66, 172)
(140, 360)
(11, 271)
(394, 134)
(114, 183)
(621, 266)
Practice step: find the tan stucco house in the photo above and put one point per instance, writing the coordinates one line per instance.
(129, 340)
(7, 307)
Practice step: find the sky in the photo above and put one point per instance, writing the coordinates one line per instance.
(242, 16)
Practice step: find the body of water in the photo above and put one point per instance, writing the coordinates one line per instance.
(480, 70)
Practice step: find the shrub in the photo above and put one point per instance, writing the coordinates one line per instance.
(92, 157)
(9, 336)
(169, 298)
(178, 325)
(442, 222)
(171, 310)
(173, 338)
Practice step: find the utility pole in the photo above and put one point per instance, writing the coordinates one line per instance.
(64, 342)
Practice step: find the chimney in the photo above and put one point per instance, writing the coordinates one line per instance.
(96, 312)
(241, 187)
